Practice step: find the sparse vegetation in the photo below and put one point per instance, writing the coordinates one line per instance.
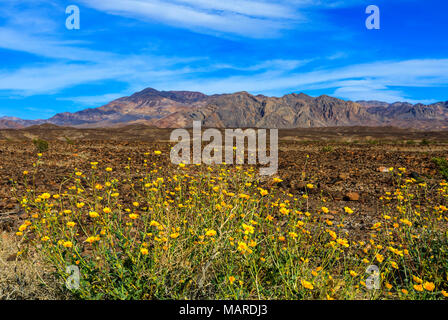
(69, 141)
(327, 149)
(442, 165)
(373, 142)
(41, 145)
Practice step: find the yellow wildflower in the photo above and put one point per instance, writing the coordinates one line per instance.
(308, 285)
(210, 233)
(67, 244)
(133, 216)
(429, 286)
(93, 214)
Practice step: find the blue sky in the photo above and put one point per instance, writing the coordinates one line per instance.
(216, 46)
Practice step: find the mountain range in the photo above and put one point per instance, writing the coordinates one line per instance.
(175, 109)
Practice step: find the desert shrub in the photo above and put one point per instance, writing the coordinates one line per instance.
(327, 149)
(442, 165)
(69, 141)
(373, 142)
(41, 145)
(424, 142)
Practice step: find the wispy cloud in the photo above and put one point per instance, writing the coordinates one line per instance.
(244, 7)
(44, 46)
(54, 77)
(252, 18)
(356, 82)
(375, 80)
(249, 18)
(276, 64)
(94, 100)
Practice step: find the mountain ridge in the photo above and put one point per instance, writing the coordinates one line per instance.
(175, 109)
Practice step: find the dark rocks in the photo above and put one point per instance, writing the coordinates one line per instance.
(414, 175)
(12, 257)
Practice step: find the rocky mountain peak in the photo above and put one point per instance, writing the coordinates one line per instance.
(242, 109)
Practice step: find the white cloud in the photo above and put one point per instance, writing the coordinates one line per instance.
(361, 92)
(277, 64)
(51, 78)
(54, 77)
(48, 47)
(374, 80)
(244, 7)
(95, 100)
(252, 18)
